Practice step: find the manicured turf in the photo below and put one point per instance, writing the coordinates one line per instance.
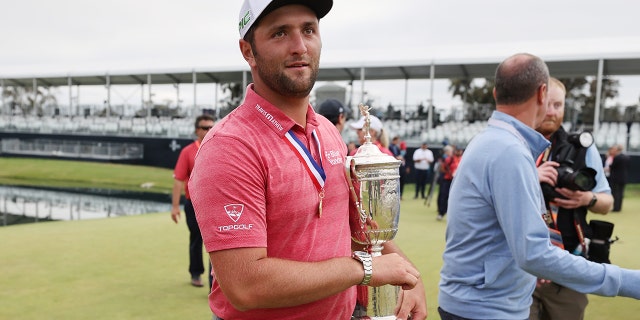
(136, 267)
(82, 174)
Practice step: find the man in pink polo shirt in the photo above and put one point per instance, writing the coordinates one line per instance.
(181, 174)
(269, 188)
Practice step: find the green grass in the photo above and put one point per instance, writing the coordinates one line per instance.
(136, 267)
(121, 268)
(82, 174)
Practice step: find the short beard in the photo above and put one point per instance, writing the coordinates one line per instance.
(279, 82)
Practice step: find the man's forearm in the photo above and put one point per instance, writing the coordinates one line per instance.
(277, 283)
(603, 205)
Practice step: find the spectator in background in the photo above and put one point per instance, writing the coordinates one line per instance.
(422, 160)
(619, 170)
(607, 163)
(399, 154)
(181, 174)
(376, 130)
(448, 166)
(352, 147)
(333, 110)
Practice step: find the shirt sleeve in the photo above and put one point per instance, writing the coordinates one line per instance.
(227, 187)
(181, 170)
(594, 161)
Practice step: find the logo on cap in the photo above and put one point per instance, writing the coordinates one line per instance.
(245, 20)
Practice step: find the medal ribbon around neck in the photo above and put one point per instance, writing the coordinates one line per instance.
(315, 170)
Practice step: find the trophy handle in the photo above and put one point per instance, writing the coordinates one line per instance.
(350, 166)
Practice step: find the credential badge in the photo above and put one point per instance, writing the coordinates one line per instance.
(234, 211)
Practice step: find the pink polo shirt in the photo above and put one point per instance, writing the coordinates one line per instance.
(249, 189)
(184, 165)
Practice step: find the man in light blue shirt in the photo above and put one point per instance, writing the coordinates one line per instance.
(496, 241)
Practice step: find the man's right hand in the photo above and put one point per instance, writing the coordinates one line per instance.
(393, 269)
(175, 214)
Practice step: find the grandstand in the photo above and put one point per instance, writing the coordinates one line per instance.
(414, 131)
(163, 127)
(152, 141)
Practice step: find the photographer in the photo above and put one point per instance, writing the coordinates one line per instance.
(567, 207)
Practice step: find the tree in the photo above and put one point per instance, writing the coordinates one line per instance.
(460, 87)
(22, 100)
(609, 91)
(478, 99)
(233, 98)
(581, 92)
(581, 99)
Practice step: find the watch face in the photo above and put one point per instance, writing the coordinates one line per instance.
(361, 254)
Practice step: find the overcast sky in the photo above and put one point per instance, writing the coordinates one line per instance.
(83, 36)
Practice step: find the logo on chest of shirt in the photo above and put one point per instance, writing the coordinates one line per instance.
(333, 156)
(234, 212)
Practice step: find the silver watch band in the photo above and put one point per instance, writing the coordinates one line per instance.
(367, 264)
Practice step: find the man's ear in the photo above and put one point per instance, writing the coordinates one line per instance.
(247, 52)
(542, 94)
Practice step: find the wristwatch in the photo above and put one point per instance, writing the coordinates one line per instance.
(367, 263)
(593, 201)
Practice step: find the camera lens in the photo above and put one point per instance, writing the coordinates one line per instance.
(583, 179)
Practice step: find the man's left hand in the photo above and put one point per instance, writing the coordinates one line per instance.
(412, 304)
(574, 198)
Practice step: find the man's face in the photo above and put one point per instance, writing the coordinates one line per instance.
(203, 128)
(555, 111)
(287, 51)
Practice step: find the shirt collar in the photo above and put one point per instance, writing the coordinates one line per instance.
(537, 143)
(272, 117)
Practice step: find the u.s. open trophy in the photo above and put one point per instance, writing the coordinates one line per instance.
(374, 180)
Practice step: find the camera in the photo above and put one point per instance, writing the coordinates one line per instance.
(569, 176)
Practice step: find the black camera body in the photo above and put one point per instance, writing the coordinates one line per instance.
(571, 174)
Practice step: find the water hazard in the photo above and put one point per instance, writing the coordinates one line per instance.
(28, 204)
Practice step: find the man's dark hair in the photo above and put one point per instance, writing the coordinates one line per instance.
(519, 77)
(203, 117)
(251, 37)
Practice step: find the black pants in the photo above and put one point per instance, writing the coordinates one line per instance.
(443, 197)
(403, 179)
(448, 316)
(617, 191)
(422, 176)
(196, 266)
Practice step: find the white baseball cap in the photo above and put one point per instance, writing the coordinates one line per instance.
(252, 10)
(375, 124)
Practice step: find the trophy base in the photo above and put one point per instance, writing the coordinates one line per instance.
(374, 318)
(380, 303)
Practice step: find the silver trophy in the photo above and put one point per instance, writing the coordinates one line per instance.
(374, 180)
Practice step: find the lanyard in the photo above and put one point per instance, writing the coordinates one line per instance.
(314, 169)
(501, 124)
